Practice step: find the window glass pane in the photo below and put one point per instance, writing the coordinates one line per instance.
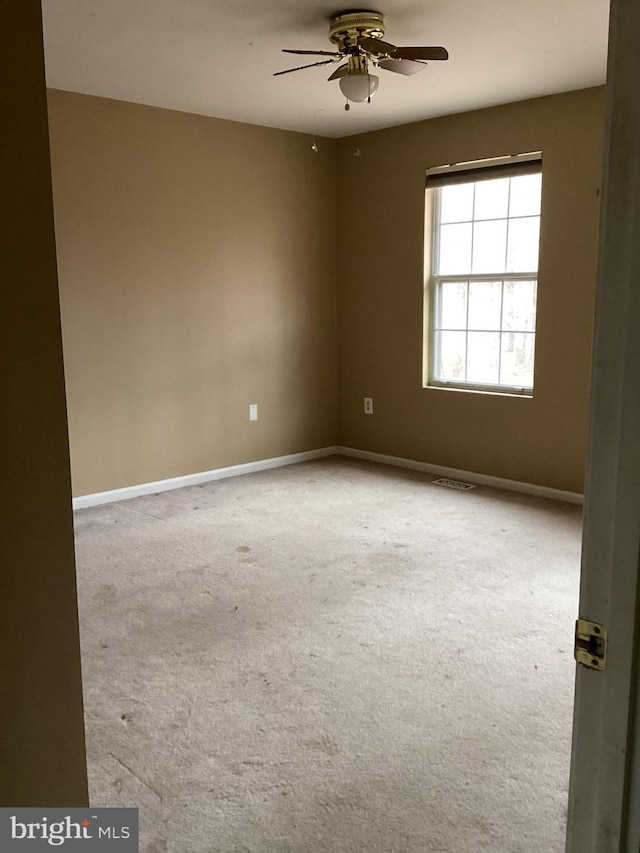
(453, 305)
(456, 203)
(525, 195)
(455, 249)
(489, 244)
(483, 332)
(451, 347)
(484, 305)
(517, 359)
(492, 199)
(482, 357)
(519, 306)
(524, 236)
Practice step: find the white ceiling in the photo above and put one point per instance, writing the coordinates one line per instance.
(217, 58)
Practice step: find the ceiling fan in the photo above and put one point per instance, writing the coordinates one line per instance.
(358, 39)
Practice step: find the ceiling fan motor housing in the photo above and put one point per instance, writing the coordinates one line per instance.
(347, 28)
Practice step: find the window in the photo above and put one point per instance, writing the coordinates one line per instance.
(485, 222)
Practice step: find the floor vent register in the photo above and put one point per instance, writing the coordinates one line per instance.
(453, 484)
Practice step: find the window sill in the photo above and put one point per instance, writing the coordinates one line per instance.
(492, 392)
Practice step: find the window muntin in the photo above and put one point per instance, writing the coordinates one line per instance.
(484, 283)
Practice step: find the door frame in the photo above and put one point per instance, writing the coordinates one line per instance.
(604, 792)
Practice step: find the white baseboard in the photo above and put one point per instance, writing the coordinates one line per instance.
(123, 494)
(465, 476)
(85, 501)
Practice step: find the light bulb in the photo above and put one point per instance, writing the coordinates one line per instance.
(359, 87)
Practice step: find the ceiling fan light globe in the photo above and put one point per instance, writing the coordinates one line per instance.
(359, 87)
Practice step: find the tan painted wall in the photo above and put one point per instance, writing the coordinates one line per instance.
(42, 755)
(380, 286)
(197, 270)
(197, 261)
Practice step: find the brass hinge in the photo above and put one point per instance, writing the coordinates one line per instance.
(590, 647)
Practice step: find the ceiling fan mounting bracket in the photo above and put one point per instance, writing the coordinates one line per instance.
(347, 28)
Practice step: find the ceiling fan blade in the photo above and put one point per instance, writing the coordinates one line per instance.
(340, 71)
(420, 53)
(300, 67)
(402, 66)
(314, 52)
(376, 45)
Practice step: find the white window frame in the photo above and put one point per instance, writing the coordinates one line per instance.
(505, 166)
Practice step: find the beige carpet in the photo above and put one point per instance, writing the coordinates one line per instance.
(334, 656)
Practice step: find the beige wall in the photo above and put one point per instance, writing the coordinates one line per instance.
(197, 269)
(42, 756)
(380, 293)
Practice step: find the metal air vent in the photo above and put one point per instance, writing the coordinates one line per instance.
(453, 484)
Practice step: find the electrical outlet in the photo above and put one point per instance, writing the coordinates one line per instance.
(368, 405)
(253, 412)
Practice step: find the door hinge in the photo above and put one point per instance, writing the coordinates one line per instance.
(590, 647)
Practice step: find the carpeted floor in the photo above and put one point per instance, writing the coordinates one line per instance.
(334, 656)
